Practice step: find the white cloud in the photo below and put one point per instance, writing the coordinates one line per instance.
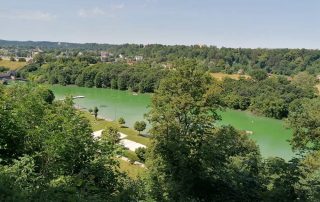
(110, 11)
(27, 15)
(91, 12)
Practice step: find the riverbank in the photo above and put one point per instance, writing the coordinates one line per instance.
(126, 162)
(100, 124)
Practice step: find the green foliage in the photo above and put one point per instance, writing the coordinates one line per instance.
(4, 69)
(270, 97)
(189, 159)
(110, 134)
(121, 121)
(95, 112)
(21, 60)
(116, 76)
(141, 154)
(140, 126)
(304, 119)
(39, 59)
(258, 74)
(48, 153)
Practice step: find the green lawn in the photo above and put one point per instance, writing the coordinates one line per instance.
(133, 171)
(100, 124)
(12, 65)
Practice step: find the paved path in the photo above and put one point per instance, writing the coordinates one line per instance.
(98, 134)
(129, 144)
(135, 163)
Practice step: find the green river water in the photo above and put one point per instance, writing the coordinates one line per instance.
(270, 134)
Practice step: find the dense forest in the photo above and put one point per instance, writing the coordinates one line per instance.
(228, 60)
(140, 77)
(48, 152)
(271, 96)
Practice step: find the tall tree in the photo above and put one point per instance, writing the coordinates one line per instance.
(189, 159)
(95, 112)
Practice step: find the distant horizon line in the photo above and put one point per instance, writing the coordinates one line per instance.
(146, 44)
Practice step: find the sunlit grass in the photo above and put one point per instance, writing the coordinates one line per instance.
(133, 171)
(100, 124)
(12, 65)
(221, 76)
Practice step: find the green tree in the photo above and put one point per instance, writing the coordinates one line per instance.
(306, 82)
(110, 134)
(141, 153)
(48, 153)
(304, 119)
(189, 159)
(258, 74)
(39, 59)
(140, 126)
(95, 112)
(121, 121)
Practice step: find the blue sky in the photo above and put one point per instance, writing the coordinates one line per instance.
(229, 23)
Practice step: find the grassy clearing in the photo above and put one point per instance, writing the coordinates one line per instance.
(133, 171)
(131, 155)
(12, 65)
(221, 76)
(100, 124)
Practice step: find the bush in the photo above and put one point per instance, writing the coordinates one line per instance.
(121, 121)
(4, 69)
(141, 154)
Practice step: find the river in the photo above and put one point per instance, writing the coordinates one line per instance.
(270, 134)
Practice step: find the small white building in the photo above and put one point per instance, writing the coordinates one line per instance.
(138, 58)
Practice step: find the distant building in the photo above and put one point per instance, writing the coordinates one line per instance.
(104, 56)
(138, 58)
(36, 52)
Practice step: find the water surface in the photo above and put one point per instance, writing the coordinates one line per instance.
(270, 134)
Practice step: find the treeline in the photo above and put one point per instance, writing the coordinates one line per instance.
(48, 152)
(228, 60)
(139, 77)
(271, 96)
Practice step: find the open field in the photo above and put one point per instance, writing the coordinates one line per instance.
(220, 76)
(100, 124)
(133, 171)
(12, 65)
